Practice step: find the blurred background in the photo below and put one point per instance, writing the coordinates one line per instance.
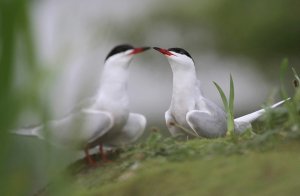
(52, 54)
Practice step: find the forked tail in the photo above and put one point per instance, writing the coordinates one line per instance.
(30, 131)
(254, 115)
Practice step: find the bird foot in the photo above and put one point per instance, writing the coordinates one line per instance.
(89, 159)
(103, 155)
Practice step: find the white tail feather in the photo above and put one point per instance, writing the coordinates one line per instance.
(254, 115)
(32, 131)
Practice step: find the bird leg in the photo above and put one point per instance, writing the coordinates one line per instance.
(89, 159)
(103, 154)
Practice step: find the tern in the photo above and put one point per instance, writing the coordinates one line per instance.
(190, 112)
(106, 119)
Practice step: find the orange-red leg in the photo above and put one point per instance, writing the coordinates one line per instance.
(88, 157)
(103, 154)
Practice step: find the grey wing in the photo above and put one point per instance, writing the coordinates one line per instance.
(80, 128)
(206, 124)
(207, 119)
(133, 129)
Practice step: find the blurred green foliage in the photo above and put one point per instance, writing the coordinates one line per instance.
(16, 48)
(259, 29)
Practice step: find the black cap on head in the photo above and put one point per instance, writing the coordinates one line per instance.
(118, 49)
(180, 51)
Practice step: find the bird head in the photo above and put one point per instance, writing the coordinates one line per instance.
(123, 53)
(177, 57)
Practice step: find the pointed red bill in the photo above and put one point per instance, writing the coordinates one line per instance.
(163, 51)
(139, 50)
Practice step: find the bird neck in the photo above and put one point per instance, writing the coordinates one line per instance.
(113, 84)
(184, 90)
(184, 80)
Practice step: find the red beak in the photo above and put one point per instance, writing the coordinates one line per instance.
(163, 51)
(139, 50)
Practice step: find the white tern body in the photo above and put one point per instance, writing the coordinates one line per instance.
(190, 112)
(106, 119)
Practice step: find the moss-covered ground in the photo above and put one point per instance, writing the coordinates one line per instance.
(265, 161)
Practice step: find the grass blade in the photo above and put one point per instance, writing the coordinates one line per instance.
(283, 68)
(228, 106)
(222, 94)
(231, 95)
(230, 114)
(194, 133)
(296, 74)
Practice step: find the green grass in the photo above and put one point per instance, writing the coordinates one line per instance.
(162, 166)
(263, 162)
(256, 174)
(228, 105)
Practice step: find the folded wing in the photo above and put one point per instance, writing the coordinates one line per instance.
(74, 130)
